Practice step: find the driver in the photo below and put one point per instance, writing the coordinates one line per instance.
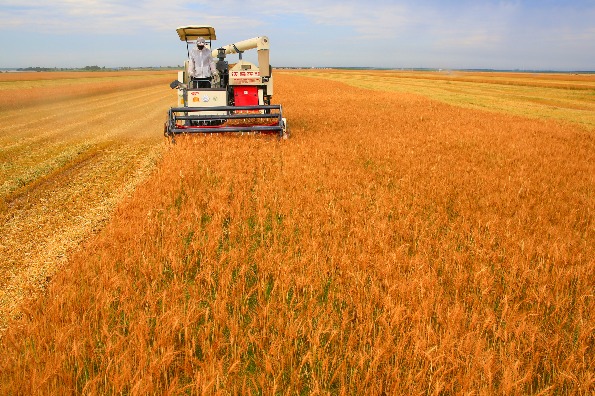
(202, 65)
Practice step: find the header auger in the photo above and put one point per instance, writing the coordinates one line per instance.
(226, 97)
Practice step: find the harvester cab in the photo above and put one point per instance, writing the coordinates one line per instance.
(237, 98)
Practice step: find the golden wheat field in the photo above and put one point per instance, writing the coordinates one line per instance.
(411, 237)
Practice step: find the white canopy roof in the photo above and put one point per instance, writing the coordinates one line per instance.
(192, 32)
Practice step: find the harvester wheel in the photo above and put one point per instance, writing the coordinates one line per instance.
(168, 126)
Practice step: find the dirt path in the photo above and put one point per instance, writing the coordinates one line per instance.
(63, 168)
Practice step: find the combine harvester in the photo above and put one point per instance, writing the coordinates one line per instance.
(239, 98)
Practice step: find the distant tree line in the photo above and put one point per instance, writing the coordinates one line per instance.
(48, 69)
(92, 68)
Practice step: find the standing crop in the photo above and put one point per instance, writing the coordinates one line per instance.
(393, 245)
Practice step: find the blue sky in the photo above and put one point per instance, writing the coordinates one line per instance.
(512, 34)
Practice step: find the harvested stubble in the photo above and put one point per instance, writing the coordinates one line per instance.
(24, 90)
(68, 153)
(562, 97)
(395, 245)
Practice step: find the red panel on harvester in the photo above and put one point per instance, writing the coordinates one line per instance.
(245, 95)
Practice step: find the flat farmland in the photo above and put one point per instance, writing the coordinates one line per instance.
(71, 146)
(411, 237)
(561, 97)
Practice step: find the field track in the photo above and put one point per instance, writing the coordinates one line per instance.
(393, 245)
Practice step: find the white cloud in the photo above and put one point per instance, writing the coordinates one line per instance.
(397, 30)
(377, 19)
(97, 17)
